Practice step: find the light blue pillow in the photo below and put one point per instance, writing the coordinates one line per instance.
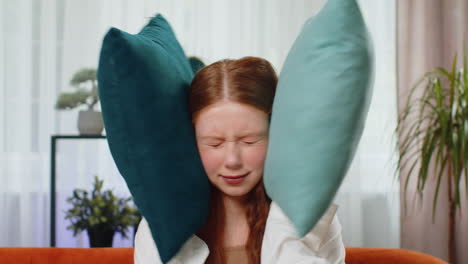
(320, 106)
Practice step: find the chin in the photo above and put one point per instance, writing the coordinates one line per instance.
(235, 193)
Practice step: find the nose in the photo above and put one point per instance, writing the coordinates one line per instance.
(233, 156)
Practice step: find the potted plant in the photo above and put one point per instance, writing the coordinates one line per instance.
(101, 214)
(434, 128)
(85, 81)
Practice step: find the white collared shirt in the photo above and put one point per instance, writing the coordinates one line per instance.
(281, 245)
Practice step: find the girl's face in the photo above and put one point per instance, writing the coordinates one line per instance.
(232, 140)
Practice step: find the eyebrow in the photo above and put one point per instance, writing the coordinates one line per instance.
(244, 136)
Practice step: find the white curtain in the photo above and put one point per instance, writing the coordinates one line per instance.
(369, 198)
(43, 42)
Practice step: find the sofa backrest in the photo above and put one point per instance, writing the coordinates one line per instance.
(49, 255)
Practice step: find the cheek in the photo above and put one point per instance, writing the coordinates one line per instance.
(211, 160)
(255, 157)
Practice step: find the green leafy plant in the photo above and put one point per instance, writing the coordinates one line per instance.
(83, 96)
(434, 128)
(102, 208)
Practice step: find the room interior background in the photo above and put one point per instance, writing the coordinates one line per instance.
(429, 33)
(43, 42)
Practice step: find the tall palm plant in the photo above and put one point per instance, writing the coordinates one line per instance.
(434, 128)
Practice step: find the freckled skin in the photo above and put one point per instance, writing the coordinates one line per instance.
(232, 140)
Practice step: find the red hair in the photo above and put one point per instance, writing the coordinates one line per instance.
(251, 81)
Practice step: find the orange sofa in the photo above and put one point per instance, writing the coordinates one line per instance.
(24, 255)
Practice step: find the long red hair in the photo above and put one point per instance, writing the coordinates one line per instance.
(251, 81)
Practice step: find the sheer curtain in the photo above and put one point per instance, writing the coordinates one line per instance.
(429, 35)
(43, 42)
(369, 198)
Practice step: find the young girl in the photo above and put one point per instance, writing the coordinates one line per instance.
(230, 102)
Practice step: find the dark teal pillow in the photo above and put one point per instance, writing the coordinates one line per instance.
(144, 81)
(320, 106)
(196, 64)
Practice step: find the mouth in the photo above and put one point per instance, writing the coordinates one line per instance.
(235, 176)
(235, 179)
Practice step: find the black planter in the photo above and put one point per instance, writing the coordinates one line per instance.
(100, 236)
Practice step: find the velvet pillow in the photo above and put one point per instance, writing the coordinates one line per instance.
(320, 107)
(144, 81)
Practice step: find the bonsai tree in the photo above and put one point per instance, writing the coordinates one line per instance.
(101, 214)
(437, 132)
(82, 96)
